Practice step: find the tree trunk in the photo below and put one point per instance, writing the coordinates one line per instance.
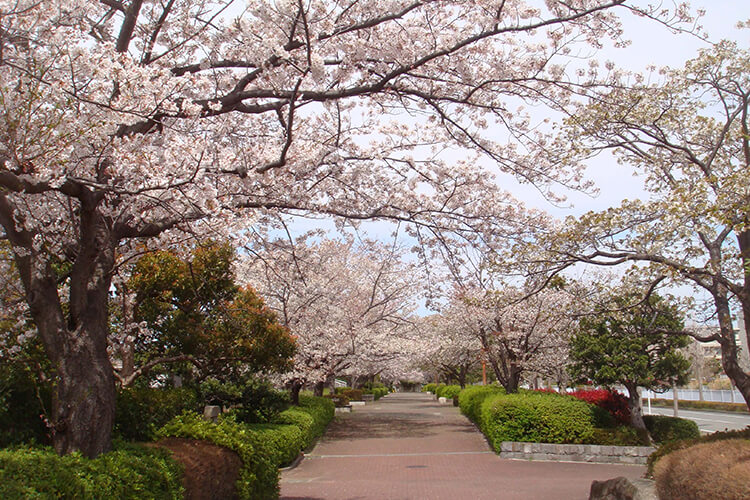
(294, 391)
(318, 389)
(636, 409)
(729, 350)
(675, 401)
(83, 410)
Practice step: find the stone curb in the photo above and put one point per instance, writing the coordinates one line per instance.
(294, 464)
(591, 453)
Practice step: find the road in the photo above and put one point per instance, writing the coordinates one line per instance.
(708, 421)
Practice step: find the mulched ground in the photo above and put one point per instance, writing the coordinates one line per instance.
(210, 470)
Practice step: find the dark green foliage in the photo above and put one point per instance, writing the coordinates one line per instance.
(194, 308)
(663, 428)
(141, 411)
(630, 346)
(259, 476)
(623, 435)
(602, 418)
(669, 446)
(130, 472)
(24, 401)
(470, 399)
(535, 417)
(261, 403)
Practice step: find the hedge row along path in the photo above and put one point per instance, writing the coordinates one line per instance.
(406, 446)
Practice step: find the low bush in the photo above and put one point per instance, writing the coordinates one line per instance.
(707, 470)
(285, 441)
(378, 392)
(622, 435)
(471, 398)
(429, 387)
(448, 391)
(128, 472)
(312, 416)
(303, 420)
(259, 476)
(352, 394)
(702, 405)
(321, 409)
(535, 417)
(339, 400)
(613, 402)
(672, 446)
(261, 403)
(663, 428)
(141, 411)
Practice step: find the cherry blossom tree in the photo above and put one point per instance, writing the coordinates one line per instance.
(348, 304)
(132, 123)
(687, 135)
(519, 332)
(446, 347)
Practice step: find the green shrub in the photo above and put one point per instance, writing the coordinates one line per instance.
(259, 476)
(285, 441)
(702, 405)
(470, 399)
(671, 446)
(131, 472)
(378, 392)
(321, 409)
(261, 403)
(429, 387)
(303, 420)
(140, 411)
(339, 400)
(602, 418)
(623, 435)
(353, 394)
(535, 417)
(706, 470)
(448, 391)
(23, 400)
(663, 428)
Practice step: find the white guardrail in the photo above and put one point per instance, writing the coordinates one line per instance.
(721, 396)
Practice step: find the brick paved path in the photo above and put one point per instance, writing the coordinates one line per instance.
(409, 447)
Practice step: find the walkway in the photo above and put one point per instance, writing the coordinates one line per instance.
(409, 447)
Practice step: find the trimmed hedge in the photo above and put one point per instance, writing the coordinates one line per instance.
(672, 446)
(431, 387)
(259, 475)
(702, 405)
(131, 472)
(378, 392)
(664, 429)
(470, 399)
(535, 417)
(285, 441)
(707, 470)
(141, 411)
(312, 416)
(448, 391)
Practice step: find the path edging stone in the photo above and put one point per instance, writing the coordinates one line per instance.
(593, 453)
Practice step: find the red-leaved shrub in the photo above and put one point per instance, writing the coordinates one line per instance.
(614, 402)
